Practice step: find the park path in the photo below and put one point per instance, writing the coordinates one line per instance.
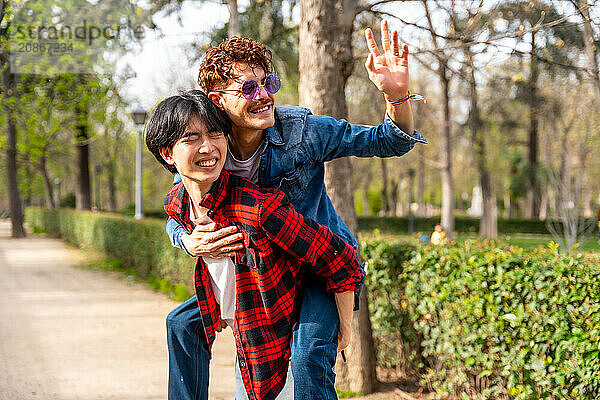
(73, 333)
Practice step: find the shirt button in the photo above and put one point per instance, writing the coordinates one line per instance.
(242, 363)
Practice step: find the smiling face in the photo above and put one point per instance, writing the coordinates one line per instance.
(257, 114)
(199, 155)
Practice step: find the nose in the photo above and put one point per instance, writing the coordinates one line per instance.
(262, 92)
(206, 145)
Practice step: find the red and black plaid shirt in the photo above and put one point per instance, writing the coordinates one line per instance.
(279, 242)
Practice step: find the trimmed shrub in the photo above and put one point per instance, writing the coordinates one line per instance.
(493, 322)
(399, 225)
(396, 341)
(141, 245)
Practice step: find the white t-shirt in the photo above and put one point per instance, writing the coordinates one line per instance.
(222, 270)
(222, 275)
(245, 168)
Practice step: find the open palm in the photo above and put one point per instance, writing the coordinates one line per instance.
(388, 71)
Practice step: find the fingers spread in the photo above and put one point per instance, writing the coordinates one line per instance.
(385, 36)
(395, 44)
(405, 52)
(371, 43)
(370, 63)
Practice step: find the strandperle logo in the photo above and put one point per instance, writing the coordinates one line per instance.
(84, 32)
(71, 36)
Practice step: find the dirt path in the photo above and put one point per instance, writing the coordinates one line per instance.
(71, 333)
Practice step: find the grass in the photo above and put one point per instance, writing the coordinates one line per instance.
(344, 394)
(526, 241)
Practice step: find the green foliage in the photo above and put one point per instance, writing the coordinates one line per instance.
(384, 262)
(141, 246)
(69, 201)
(493, 321)
(345, 394)
(37, 230)
(399, 225)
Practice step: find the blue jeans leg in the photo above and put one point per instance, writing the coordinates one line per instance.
(188, 353)
(314, 346)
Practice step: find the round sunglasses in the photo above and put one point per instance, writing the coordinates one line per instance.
(251, 87)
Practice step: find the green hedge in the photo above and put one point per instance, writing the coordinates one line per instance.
(490, 322)
(142, 245)
(399, 225)
(480, 320)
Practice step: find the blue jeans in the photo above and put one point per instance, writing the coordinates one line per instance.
(314, 349)
(188, 353)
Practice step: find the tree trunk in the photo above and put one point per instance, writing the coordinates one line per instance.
(590, 49)
(234, 19)
(385, 204)
(488, 225)
(112, 198)
(532, 195)
(84, 198)
(447, 218)
(421, 182)
(366, 203)
(394, 198)
(325, 54)
(15, 206)
(47, 184)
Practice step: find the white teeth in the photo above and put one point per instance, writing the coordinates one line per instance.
(207, 163)
(262, 109)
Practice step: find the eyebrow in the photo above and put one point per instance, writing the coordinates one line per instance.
(189, 133)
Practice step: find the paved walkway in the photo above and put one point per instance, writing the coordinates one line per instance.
(71, 333)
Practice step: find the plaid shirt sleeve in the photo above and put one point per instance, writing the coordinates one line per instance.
(310, 242)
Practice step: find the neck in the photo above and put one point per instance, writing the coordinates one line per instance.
(245, 142)
(196, 190)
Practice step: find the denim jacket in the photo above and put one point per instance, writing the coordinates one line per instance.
(293, 160)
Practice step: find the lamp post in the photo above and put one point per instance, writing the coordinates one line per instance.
(139, 117)
(57, 184)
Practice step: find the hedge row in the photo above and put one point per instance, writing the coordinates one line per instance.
(142, 245)
(474, 319)
(483, 321)
(399, 225)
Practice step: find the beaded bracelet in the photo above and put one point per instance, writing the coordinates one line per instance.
(409, 96)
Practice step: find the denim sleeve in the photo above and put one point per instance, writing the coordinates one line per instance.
(174, 230)
(328, 139)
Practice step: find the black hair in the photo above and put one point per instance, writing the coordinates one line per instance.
(170, 119)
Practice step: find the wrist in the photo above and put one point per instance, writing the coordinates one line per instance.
(408, 97)
(183, 246)
(394, 97)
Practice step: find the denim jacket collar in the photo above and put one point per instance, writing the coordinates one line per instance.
(290, 120)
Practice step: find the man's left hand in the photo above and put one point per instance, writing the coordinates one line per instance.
(388, 71)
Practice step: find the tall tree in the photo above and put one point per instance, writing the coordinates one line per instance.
(590, 42)
(473, 25)
(9, 105)
(550, 37)
(444, 73)
(82, 135)
(325, 55)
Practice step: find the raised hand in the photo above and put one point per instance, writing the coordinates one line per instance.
(388, 71)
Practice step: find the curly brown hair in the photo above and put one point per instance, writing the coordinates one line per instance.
(217, 67)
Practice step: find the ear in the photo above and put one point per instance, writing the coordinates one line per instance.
(167, 155)
(217, 99)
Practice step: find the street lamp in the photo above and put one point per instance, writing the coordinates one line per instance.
(139, 117)
(57, 184)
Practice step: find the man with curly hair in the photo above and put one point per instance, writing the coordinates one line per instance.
(285, 148)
